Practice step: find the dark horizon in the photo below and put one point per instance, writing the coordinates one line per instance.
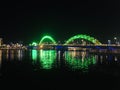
(28, 22)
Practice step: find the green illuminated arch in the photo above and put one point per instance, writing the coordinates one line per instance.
(86, 37)
(34, 44)
(47, 37)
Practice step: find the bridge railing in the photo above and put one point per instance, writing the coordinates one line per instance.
(80, 45)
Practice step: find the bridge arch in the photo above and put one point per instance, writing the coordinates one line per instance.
(47, 37)
(34, 44)
(82, 36)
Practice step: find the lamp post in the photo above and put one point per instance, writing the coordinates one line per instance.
(109, 42)
(115, 38)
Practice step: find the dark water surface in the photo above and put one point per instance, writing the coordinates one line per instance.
(51, 69)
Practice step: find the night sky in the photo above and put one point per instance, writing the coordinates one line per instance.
(29, 21)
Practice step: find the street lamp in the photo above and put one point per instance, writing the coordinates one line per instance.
(115, 38)
(109, 42)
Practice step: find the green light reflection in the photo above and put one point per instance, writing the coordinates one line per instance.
(34, 56)
(79, 60)
(47, 58)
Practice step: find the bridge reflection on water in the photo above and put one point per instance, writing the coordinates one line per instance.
(58, 65)
(70, 59)
(49, 59)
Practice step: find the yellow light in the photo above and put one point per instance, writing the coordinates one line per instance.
(41, 46)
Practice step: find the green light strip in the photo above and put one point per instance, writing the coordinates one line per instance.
(47, 37)
(81, 36)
